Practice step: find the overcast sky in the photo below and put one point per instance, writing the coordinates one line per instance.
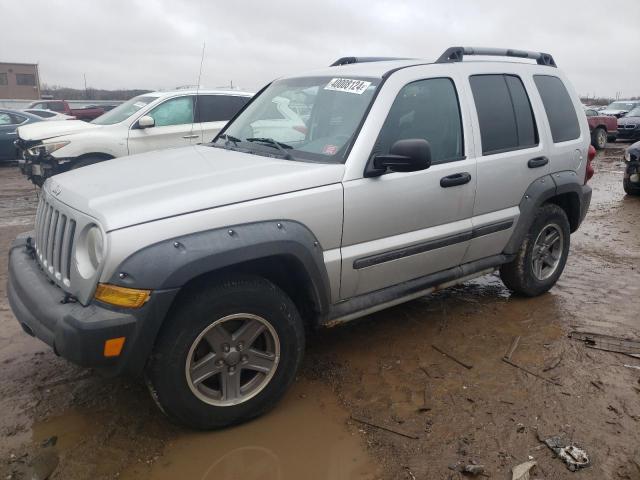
(156, 44)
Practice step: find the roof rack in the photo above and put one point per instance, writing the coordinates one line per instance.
(456, 54)
(349, 60)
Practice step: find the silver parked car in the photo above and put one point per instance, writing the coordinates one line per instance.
(202, 267)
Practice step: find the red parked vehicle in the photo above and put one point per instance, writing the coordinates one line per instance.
(62, 106)
(603, 128)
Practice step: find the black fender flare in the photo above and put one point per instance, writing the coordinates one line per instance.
(540, 191)
(172, 263)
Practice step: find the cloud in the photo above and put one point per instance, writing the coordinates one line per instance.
(157, 43)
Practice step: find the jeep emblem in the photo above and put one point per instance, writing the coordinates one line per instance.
(56, 189)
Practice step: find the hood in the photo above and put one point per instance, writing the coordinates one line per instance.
(626, 120)
(130, 190)
(614, 113)
(44, 130)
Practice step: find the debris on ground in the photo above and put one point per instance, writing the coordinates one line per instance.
(637, 367)
(574, 457)
(448, 355)
(474, 469)
(512, 348)
(385, 428)
(526, 370)
(521, 472)
(608, 343)
(44, 464)
(552, 363)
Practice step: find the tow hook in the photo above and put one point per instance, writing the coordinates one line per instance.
(68, 298)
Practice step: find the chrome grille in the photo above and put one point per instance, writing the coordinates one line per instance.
(55, 234)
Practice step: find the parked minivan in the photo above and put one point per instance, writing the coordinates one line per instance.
(204, 274)
(151, 121)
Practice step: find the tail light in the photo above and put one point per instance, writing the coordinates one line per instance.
(590, 171)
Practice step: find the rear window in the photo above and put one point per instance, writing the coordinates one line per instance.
(561, 113)
(504, 113)
(218, 108)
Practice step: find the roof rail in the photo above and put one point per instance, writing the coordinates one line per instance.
(456, 54)
(348, 60)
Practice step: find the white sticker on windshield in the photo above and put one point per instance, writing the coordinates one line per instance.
(347, 85)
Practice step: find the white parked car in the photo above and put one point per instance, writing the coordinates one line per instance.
(152, 121)
(48, 114)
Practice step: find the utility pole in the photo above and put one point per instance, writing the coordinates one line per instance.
(86, 94)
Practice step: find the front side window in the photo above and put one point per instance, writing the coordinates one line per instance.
(308, 118)
(27, 79)
(504, 113)
(559, 107)
(175, 111)
(429, 110)
(218, 108)
(124, 110)
(5, 119)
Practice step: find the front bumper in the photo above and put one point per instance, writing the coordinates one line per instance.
(78, 332)
(628, 134)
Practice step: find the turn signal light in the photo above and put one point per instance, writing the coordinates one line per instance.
(113, 347)
(121, 296)
(590, 170)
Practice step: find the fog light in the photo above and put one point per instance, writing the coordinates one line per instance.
(113, 346)
(121, 296)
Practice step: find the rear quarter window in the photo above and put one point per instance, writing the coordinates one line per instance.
(561, 113)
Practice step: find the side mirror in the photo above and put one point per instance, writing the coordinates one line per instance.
(146, 121)
(408, 155)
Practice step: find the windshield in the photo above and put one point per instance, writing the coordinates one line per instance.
(311, 119)
(621, 106)
(634, 113)
(123, 111)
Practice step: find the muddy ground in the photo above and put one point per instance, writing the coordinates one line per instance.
(382, 370)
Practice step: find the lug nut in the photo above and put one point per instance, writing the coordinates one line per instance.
(232, 369)
(225, 348)
(219, 363)
(240, 346)
(244, 358)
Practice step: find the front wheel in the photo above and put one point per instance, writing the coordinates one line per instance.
(227, 354)
(629, 189)
(542, 255)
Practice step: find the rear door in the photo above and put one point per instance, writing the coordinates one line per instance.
(405, 225)
(510, 152)
(213, 112)
(174, 127)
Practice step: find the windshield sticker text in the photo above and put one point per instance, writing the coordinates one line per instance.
(348, 85)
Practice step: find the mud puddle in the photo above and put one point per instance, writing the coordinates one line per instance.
(303, 437)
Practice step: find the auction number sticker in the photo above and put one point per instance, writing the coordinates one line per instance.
(348, 85)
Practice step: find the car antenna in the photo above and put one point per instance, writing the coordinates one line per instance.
(195, 104)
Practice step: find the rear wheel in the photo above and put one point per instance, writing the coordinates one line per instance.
(599, 138)
(84, 162)
(228, 353)
(542, 255)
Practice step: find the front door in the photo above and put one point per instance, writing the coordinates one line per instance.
(174, 127)
(402, 226)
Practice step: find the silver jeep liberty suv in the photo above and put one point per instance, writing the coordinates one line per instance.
(329, 196)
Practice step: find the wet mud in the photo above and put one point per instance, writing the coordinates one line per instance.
(374, 399)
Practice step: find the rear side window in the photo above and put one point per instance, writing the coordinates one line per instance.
(504, 113)
(559, 107)
(56, 106)
(218, 108)
(426, 109)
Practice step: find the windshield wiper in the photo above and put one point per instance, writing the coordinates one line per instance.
(230, 139)
(274, 143)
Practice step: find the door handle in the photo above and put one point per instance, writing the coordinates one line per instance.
(190, 136)
(537, 162)
(455, 179)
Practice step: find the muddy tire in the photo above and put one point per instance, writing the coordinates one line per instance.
(227, 353)
(599, 138)
(542, 255)
(628, 188)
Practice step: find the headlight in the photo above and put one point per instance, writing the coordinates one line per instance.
(89, 251)
(46, 148)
